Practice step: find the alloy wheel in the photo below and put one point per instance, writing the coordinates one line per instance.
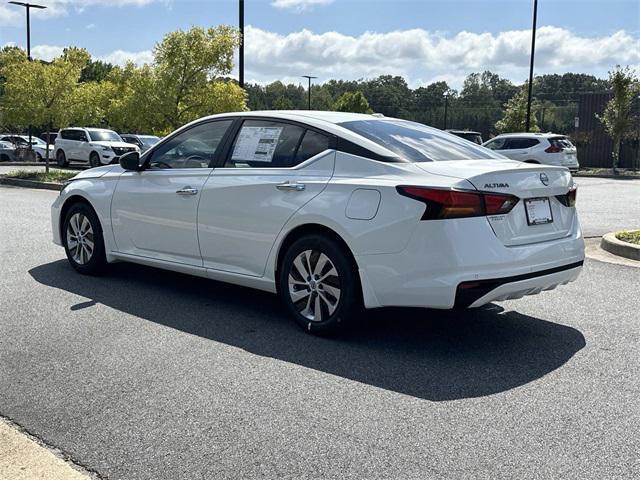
(80, 241)
(314, 285)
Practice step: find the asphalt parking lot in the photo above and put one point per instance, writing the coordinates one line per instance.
(144, 374)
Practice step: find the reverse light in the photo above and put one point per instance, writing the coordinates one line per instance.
(442, 204)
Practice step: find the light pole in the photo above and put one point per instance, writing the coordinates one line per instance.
(241, 53)
(309, 77)
(28, 7)
(533, 52)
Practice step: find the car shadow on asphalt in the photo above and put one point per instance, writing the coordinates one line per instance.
(430, 354)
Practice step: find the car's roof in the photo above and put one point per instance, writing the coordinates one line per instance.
(530, 135)
(326, 121)
(306, 115)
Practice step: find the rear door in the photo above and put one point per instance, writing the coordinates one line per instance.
(272, 169)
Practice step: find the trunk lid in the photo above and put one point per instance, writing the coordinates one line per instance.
(525, 181)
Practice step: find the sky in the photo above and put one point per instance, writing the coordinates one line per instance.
(422, 40)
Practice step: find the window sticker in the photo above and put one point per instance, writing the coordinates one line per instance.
(256, 144)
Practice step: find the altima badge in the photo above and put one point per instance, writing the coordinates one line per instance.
(544, 179)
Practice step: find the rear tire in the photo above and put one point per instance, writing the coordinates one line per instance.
(319, 285)
(61, 159)
(83, 241)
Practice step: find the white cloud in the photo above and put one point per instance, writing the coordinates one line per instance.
(91, 26)
(121, 57)
(420, 56)
(299, 5)
(10, 15)
(46, 52)
(419, 53)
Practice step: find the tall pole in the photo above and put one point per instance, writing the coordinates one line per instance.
(446, 107)
(28, 7)
(533, 52)
(241, 55)
(309, 77)
(28, 31)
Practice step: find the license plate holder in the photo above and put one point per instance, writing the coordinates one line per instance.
(538, 211)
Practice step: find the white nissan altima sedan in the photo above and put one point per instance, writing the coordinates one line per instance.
(333, 211)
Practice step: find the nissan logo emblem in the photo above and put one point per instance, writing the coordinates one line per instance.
(544, 179)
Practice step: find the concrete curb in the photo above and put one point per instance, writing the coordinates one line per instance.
(52, 164)
(19, 182)
(623, 249)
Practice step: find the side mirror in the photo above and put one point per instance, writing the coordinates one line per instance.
(131, 161)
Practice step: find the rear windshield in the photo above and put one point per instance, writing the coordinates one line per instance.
(563, 142)
(418, 143)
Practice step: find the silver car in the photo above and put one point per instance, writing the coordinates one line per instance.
(7, 151)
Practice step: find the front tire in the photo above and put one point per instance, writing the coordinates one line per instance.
(82, 239)
(319, 285)
(61, 159)
(94, 160)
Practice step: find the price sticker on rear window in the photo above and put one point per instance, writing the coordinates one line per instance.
(256, 144)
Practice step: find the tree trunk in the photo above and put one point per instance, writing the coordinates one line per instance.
(46, 161)
(616, 154)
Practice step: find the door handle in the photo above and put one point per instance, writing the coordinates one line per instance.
(291, 186)
(187, 191)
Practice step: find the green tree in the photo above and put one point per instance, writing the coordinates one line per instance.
(354, 102)
(515, 114)
(183, 84)
(38, 93)
(95, 71)
(616, 118)
(186, 63)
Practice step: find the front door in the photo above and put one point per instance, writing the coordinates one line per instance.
(154, 212)
(273, 169)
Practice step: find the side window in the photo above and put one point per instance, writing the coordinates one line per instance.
(194, 148)
(519, 143)
(497, 144)
(265, 144)
(312, 144)
(82, 136)
(64, 134)
(529, 142)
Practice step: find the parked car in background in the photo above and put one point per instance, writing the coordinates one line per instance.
(95, 146)
(38, 146)
(144, 142)
(475, 137)
(542, 148)
(50, 136)
(332, 211)
(7, 151)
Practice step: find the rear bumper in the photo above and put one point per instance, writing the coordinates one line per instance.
(441, 255)
(477, 293)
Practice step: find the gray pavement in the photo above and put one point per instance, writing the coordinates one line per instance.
(144, 374)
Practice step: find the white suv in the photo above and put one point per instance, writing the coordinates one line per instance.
(96, 146)
(543, 148)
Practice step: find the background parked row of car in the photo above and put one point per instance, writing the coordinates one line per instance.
(95, 146)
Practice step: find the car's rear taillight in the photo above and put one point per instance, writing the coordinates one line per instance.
(442, 204)
(554, 148)
(569, 199)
